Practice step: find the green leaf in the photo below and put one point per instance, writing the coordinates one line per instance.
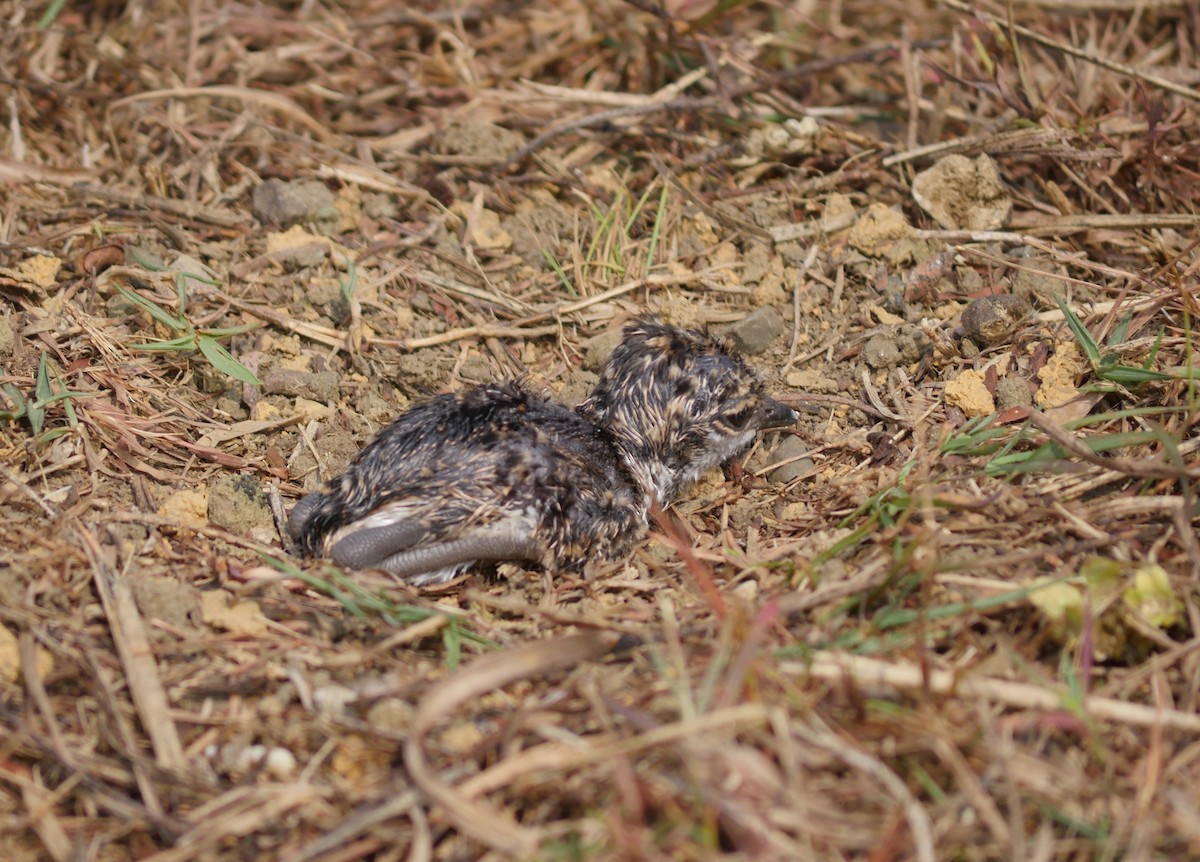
(351, 279)
(35, 409)
(68, 407)
(227, 331)
(1121, 330)
(452, 640)
(1130, 374)
(145, 263)
(1080, 331)
(558, 270)
(51, 13)
(656, 231)
(1162, 330)
(153, 309)
(42, 390)
(183, 343)
(224, 362)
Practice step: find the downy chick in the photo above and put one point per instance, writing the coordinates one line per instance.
(498, 472)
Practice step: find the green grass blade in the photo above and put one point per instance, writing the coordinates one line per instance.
(20, 406)
(146, 263)
(1080, 331)
(558, 270)
(452, 640)
(1121, 330)
(35, 410)
(228, 331)
(153, 309)
(51, 14)
(181, 344)
(223, 361)
(351, 279)
(656, 231)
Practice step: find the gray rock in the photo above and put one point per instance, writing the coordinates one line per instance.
(791, 447)
(1012, 392)
(992, 319)
(881, 351)
(284, 381)
(302, 256)
(755, 332)
(287, 203)
(322, 386)
(239, 504)
(8, 335)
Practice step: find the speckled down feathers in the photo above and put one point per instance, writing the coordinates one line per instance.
(500, 472)
(464, 461)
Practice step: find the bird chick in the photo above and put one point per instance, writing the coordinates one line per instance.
(498, 472)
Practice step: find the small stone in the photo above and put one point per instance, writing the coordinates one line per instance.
(1058, 376)
(238, 503)
(168, 599)
(332, 700)
(991, 319)
(791, 448)
(296, 248)
(312, 410)
(279, 763)
(577, 386)
(755, 332)
(281, 381)
(189, 507)
(8, 338)
(287, 203)
(881, 351)
(1012, 392)
(879, 230)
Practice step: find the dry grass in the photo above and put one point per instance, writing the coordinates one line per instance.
(947, 638)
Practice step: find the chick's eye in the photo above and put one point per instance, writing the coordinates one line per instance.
(739, 420)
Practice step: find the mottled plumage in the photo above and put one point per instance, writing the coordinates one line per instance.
(500, 473)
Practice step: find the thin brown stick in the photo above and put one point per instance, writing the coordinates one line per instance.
(137, 657)
(869, 672)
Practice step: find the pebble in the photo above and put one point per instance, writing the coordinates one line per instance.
(881, 351)
(287, 203)
(755, 332)
(991, 319)
(791, 447)
(1012, 392)
(238, 503)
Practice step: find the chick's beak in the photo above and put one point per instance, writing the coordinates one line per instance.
(776, 414)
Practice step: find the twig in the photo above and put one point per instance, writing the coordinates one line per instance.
(140, 200)
(872, 673)
(137, 657)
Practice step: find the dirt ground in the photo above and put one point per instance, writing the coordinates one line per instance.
(953, 614)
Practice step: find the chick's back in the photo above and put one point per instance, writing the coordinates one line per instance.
(454, 464)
